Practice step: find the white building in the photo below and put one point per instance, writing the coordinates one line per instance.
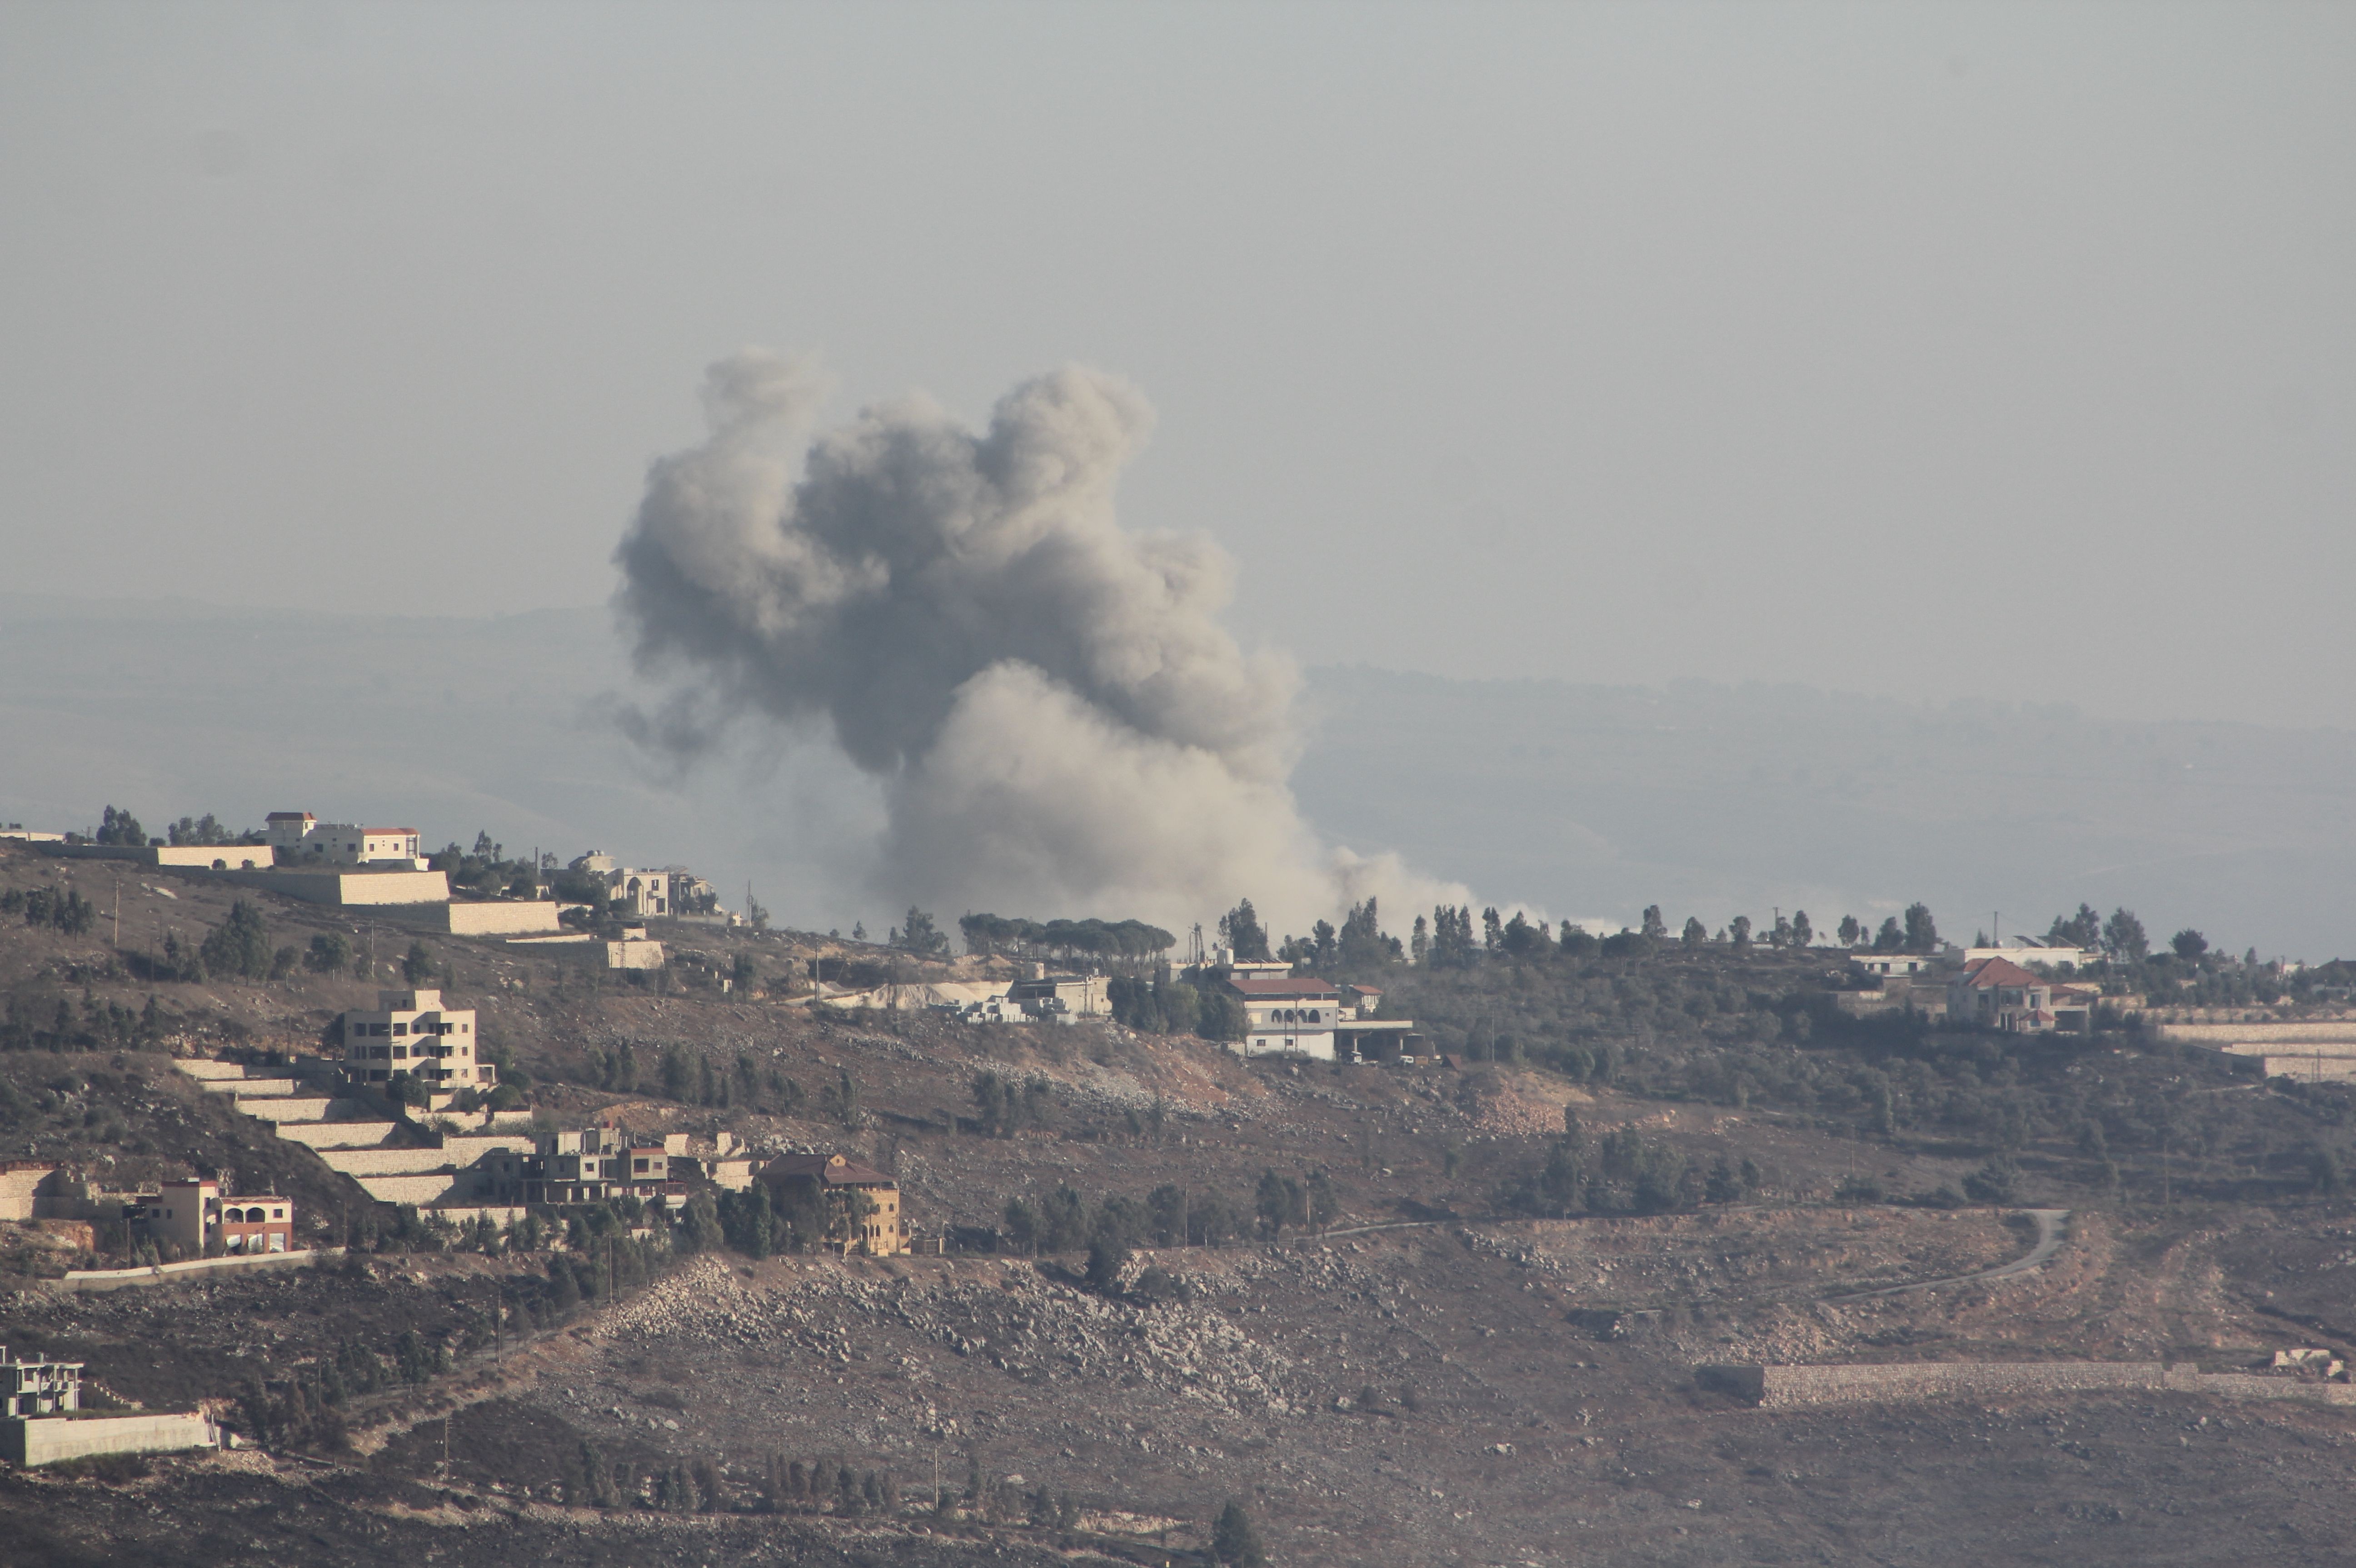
(1288, 1017)
(301, 839)
(649, 893)
(412, 1034)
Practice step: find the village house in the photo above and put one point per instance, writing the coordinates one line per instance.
(1887, 965)
(298, 838)
(412, 1034)
(38, 1386)
(1061, 998)
(194, 1214)
(1287, 1015)
(1996, 992)
(590, 1165)
(827, 1183)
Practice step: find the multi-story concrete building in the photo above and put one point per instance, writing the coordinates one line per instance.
(412, 1034)
(193, 1213)
(298, 838)
(586, 1166)
(38, 1386)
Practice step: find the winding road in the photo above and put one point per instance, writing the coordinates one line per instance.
(2051, 1229)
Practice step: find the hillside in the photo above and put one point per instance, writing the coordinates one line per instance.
(1488, 1355)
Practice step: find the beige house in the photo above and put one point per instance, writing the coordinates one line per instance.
(301, 839)
(828, 1180)
(412, 1034)
(194, 1212)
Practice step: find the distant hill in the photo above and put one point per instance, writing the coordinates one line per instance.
(1591, 801)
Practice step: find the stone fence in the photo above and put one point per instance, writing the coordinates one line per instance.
(1898, 1382)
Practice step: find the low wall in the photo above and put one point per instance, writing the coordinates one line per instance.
(335, 1135)
(106, 1279)
(1899, 1382)
(2325, 1031)
(47, 1439)
(210, 857)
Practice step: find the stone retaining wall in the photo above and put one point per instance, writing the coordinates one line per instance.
(287, 1108)
(384, 1161)
(418, 1190)
(336, 1135)
(1898, 1382)
(47, 1439)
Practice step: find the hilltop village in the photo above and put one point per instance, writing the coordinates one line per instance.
(426, 1181)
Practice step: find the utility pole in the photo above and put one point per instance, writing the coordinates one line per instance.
(118, 912)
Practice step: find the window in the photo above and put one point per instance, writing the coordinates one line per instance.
(400, 1029)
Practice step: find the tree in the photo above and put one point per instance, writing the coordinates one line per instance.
(1653, 925)
(1278, 1201)
(1695, 932)
(2190, 945)
(1741, 929)
(1241, 933)
(1492, 931)
(120, 828)
(417, 964)
(918, 935)
(1108, 1256)
(1921, 931)
(1850, 933)
(1324, 1203)
(2123, 936)
(329, 955)
(1234, 1542)
(1419, 943)
(1888, 939)
(239, 947)
(2084, 929)
(1995, 1181)
(1362, 944)
(1803, 934)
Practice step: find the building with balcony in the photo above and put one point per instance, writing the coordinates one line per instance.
(412, 1034)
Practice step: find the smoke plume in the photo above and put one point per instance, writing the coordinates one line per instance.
(1058, 721)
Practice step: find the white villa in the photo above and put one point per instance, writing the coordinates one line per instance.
(301, 839)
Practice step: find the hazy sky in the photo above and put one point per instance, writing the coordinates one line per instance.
(1914, 349)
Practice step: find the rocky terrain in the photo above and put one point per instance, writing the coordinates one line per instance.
(1435, 1378)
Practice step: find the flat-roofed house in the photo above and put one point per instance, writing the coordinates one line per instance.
(194, 1212)
(38, 1386)
(412, 1034)
(298, 838)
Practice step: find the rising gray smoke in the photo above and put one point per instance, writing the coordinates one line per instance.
(1060, 722)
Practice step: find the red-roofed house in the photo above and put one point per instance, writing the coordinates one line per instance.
(1996, 992)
